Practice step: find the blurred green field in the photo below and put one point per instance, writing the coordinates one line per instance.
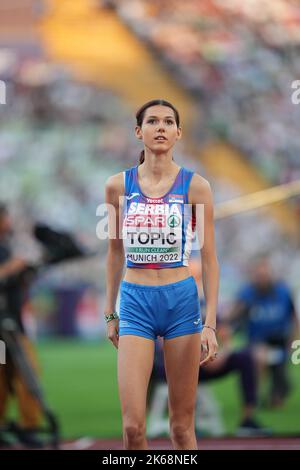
(80, 381)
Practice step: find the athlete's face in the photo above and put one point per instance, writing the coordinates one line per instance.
(159, 121)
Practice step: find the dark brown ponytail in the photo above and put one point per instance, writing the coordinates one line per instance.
(141, 113)
(142, 157)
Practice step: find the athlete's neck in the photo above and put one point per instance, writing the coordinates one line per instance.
(157, 168)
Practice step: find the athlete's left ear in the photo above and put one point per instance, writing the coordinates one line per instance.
(179, 133)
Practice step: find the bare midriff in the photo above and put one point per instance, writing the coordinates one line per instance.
(154, 277)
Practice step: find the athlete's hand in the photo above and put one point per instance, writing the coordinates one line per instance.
(113, 332)
(209, 346)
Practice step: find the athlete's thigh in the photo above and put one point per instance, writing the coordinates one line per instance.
(135, 363)
(182, 359)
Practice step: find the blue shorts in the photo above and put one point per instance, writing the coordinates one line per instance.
(169, 310)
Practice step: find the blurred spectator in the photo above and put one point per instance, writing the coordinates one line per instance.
(265, 309)
(11, 301)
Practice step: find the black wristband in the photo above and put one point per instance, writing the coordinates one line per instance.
(210, 327)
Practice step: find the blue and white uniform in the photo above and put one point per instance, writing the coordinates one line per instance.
(158, 234)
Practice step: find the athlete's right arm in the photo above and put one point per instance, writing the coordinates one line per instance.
(114, 188)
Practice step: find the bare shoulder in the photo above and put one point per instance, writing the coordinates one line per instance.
(199, 190)
(114, 187)
(115, 183)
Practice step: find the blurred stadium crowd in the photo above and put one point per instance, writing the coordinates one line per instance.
(238, 59)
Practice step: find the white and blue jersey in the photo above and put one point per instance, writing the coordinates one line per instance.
(157, 232)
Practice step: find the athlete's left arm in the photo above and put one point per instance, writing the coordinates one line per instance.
(200, 195)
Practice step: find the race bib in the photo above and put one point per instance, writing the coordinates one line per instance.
(152, 233)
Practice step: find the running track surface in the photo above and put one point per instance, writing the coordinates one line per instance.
(203, 444)
(87, 443)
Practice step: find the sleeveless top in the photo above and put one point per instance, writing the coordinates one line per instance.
(157, 232)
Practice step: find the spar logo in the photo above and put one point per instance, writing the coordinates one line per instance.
(173, 221)
(144, 220)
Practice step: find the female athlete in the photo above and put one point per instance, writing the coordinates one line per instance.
(150, 229)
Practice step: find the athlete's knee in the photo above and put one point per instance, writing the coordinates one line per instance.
(134, 431)
(181, 432)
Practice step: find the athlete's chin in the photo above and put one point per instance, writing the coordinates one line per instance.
(161, 150)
